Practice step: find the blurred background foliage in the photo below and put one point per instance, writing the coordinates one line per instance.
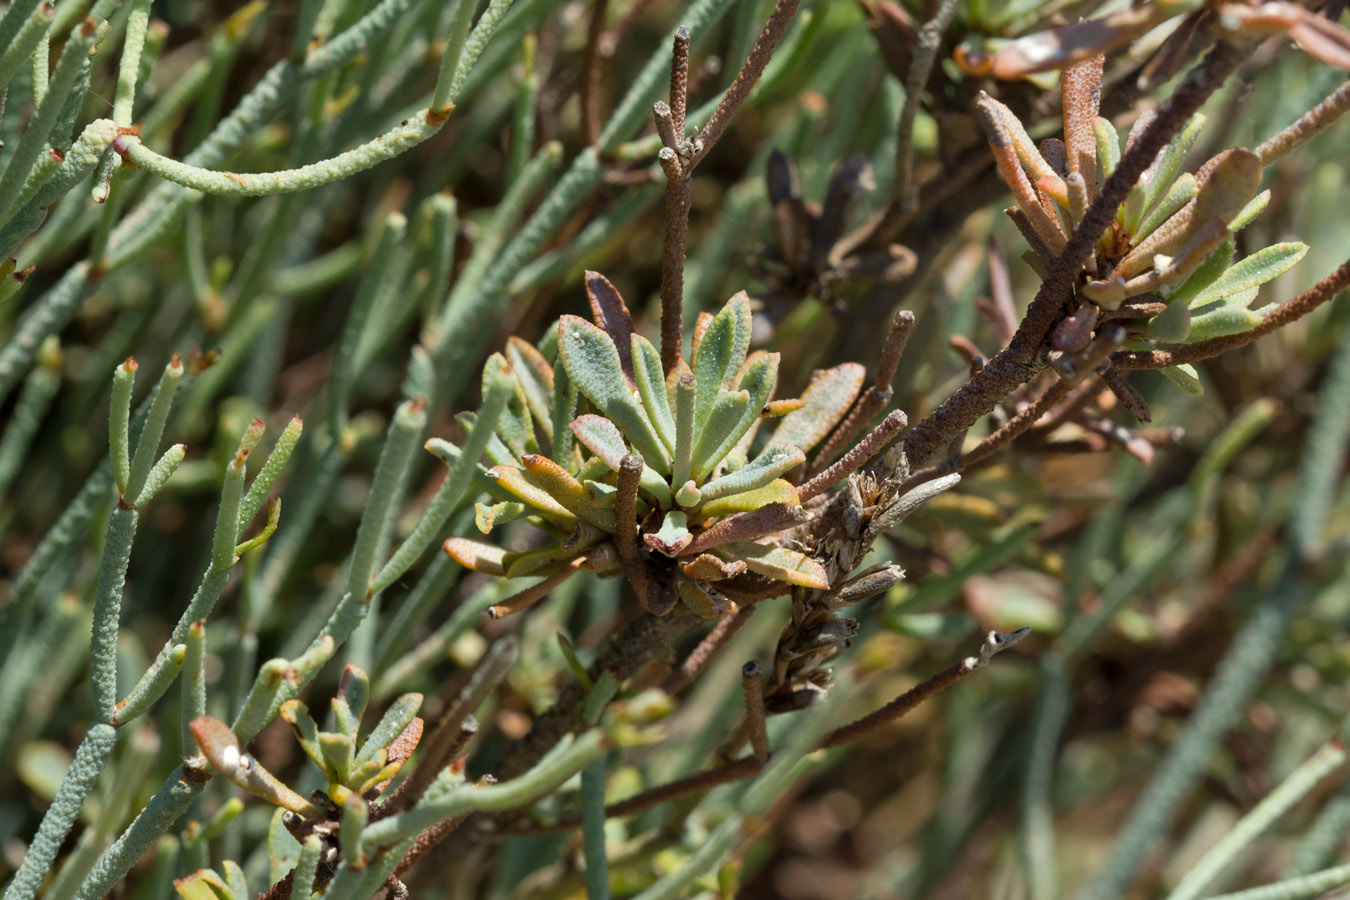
(1135, 575)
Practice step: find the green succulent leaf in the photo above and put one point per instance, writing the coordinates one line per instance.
(303, 725)
(1253, 271)
(568, 491)
(779, 563)
(519, 483)
(773, 463)
(704, 600)
(720, 353)
(487, 517)
(1185, 377)
(592, 362)
(602, 437)
(562, 410)
(776, 491)
(203, 884)
(1250, 211)
(673, 535)
(651, 385)
(476, 556)
(1207, 274)
(1108, 147)
(392, 724)
(535, 376)
(1173, 324)
(1164, 170)
(339, 752)
(828, 398)
(1221, 322)
(1177, 196)
(727, 419)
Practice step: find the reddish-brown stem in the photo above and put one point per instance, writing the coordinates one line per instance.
(748, 76)
(701, 655)
(523, 600)
(1126, 393)
(452, 733)
(902, 326)
(1311, 122)
(752, 685)
(426, 841)
(625, 516)
(679, 78)
(1014, 365)
(746, 526)
(590, 73)
(899, 706)
(679, 198)
(854, 460)
(869, 404)
(1287, 312)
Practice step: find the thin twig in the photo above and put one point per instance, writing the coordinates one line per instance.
(902, 326)
(1014, 365)
(921, 64)
(679, 79)
(856, 458)
(747, 77)
(426, 841)
(1282, 315)
(679, 199)
(626, 534)
(523, 600)
(1126, 393)
(1311, 122)
(590, 73)
(701, 655)
(752, 685)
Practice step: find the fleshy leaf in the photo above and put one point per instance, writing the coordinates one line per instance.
(519, 483)
(611, 314)
(476, 556)
(1162, 173)
(651, 385)
(601, 437)
(720, 352)
(1108, 147)
(592, 362)
(776, 491)
(1172, 325)
(1177, 196)
(565, 489)
(203, 884)
(1250, 211)
(673, 536)
(1253, 271)
(778, 563)
(1185, 377)
(772, 463)
(486, 517)
(1222, 322)
(1207, 274)
(536, 380)
(306, 732)
(727, 419)
(704, 601)
(828, 398)
(562, 410)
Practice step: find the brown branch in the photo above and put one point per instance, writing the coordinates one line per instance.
(1311, 122)
(590, 74)
(902, 326)
(920, 65)
(1126, 393)
(1282, 315)
(752, 685)
(679, 79)
(1014, 365)
(868, 447)
(701, 655)
(679, 199)
(747, 77)
(626, 533)
(523, 600)
(425, 842)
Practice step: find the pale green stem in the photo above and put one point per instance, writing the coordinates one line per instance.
(1275, 804)
(193, 702)
(147, 445)
(378, 516)
(112, 575)
(452, 489)
(566, 759)
(473, 48)
(23, 25)
(160, 473)
(30, 409)
(74, 57)
(138, 21)
(454, 46)
(399, 139)
(593, 829)
(271, 470)
(151, 687)
(1306, 887)
(80, 778)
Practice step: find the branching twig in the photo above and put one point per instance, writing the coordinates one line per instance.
(700, 656)
(925, 53)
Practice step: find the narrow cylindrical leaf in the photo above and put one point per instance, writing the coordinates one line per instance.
(119, 423)
(151, 687)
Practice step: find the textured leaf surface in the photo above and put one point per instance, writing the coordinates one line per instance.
(772, 463)
(519, 484)
(476, 555)
(778, 563)
(602, 437)
(1253, 271)
(776, 491)
(719, 431)
(651, 385)
(721, 351)
(673, 535)
(536, 380)
(828, 399)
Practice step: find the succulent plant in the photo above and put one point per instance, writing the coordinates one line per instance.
(660, 475)
(1163, 271)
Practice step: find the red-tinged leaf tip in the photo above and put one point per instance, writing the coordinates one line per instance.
(130, 364)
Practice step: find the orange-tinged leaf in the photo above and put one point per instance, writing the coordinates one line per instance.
(776, 491)
(476, 556)
(779, 563)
